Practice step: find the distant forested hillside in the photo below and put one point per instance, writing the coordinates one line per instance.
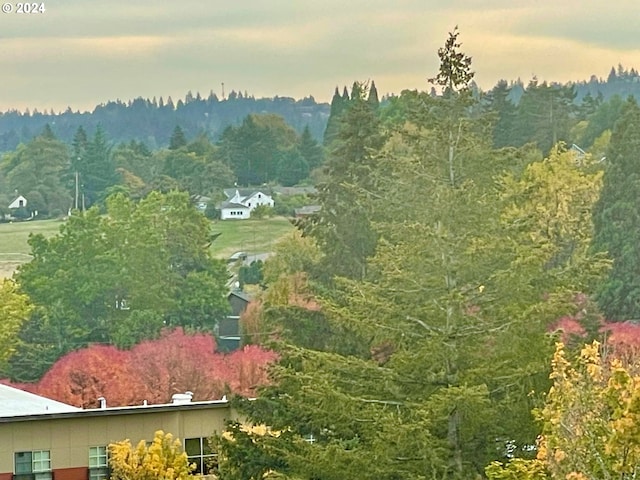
(153, 121)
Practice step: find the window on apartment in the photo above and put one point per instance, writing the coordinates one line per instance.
(35, 465)
(98, 463)
(200, 453)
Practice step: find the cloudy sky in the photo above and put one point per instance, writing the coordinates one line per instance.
(80, 53)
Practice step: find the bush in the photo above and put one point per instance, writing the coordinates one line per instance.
(262, 211)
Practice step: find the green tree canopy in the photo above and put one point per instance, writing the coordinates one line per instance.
(617, 218)
(97, 277)
(39, 167)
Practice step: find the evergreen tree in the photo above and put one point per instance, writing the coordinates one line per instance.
(373, 96)
(99, 169)
(343, 227)
(545, 115)
(178, 139)
(338, 105)
(499, 104)
(454, 77)
(37, 170)
(616, 218)
(310, 149)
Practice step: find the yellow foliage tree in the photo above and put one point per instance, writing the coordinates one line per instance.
(591, 422)
(14, 310)
(163, 459)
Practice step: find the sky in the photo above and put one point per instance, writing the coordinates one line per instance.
(80, 53)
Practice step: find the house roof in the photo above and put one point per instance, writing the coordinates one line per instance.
(15, 402)
(233, 205)
(308, 210)
(16, 202)
(243, 192)
(240, 294)
(306, 190)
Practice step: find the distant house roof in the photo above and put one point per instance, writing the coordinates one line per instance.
(307, 210)
(243, 192)
(15, 402)
(18, 202)
(308, 190)
(240, 294)
(232, 205)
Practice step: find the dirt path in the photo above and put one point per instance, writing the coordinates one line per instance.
(7, 268)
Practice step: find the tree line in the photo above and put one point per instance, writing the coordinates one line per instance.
(152, 121)
(56, 177)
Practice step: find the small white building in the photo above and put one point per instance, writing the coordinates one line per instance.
(241, 202)
(19, 202)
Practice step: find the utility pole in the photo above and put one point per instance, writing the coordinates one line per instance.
(223, 90)
(76, 202)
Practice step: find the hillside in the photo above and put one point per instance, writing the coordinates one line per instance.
(153, 121)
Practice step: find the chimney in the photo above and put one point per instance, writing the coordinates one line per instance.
(181, 398)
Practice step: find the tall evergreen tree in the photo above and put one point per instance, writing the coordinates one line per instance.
(338, 105)
(616, 218)
(499, 104)
(343, 227)
(454, 77)
(100, 171)
(310, 149)
(373, 96)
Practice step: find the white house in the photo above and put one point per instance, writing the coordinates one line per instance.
(241, 202)
(19, 202)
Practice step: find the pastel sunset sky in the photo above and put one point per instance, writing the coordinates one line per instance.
(80, 53)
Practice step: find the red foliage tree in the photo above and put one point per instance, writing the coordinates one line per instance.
(622, 340)
(81, 377)
(153, 371)
(248, 369)
(177, 363)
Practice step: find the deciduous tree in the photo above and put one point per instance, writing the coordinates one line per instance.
(14, 311)
(163, 459)
(143, 263)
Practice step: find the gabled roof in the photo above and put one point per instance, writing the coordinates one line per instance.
(243, 192)
(233, 205)
(16, 202)
(240, 294)
(15, 403)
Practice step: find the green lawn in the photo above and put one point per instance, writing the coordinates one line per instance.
(252, 236)
(13, 236)
(14, 249)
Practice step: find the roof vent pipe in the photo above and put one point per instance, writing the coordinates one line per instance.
(103, 402)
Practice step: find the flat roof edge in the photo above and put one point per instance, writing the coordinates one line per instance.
(112, 411)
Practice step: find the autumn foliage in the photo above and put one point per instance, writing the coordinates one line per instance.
(163, 459)
(154, 370)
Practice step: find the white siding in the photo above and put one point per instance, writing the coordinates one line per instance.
(234, 213)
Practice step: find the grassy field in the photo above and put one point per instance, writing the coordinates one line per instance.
(252, 236)
(14, 249)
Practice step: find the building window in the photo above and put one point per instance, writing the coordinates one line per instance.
(34, 465)
(98, 463)
(200, 453)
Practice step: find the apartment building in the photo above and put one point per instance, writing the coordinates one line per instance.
(41, 439)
